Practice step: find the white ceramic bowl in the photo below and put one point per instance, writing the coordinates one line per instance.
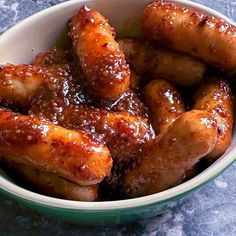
(40, 32)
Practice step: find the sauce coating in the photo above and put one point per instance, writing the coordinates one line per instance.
(64, 103)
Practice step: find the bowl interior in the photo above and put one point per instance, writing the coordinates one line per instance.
(40, 32)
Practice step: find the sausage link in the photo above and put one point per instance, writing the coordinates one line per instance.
(215, 96)
(164, 102)
(157, 62)
(164, 162)
(69, 154)
(101, 61)
(53, 185)
(203, 36)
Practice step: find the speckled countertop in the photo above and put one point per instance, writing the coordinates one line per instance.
(210, 211)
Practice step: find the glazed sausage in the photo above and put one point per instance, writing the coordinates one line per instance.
(206, 37)
(102, 63)
(69, 154)
(157, 62)
(215, 96)
(163, 162)
(19, 83)
(53, 185)
(164, 102)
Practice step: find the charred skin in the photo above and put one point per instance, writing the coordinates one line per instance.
(157, 62)
(69, 154)
(206, 37)
(215, 96)
(164, 161)
(164, 102)
(53, 185)
(102, 62)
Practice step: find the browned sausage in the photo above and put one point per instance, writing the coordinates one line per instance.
(164, 102)
(203, 36)
(164, 161)
(101, 61)
(53, 185)
(35, 141)
(157, 62)
(215, 96)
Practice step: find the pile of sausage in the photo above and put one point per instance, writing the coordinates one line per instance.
(106, 115)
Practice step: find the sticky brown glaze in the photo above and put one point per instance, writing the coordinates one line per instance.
(53, 56)
(157, 62)
(129, 102)
(35, 141)
(164, 162)
(62, 102)
(215, 96)
(53, 185)
(121, 132)
(63, 83)
(206, 37)
(164, 102)
(101, 61)
(25, 85)
(61, 88)
(18, 84)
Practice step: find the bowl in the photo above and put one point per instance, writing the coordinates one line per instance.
(39, 33)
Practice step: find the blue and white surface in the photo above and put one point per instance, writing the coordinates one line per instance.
(210, 211)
